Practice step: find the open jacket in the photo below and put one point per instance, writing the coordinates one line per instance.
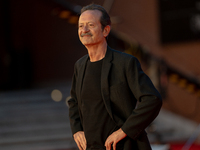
(123, 85)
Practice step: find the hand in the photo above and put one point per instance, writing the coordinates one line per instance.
(114, 138)
(80, 140)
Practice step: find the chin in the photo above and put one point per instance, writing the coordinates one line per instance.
(87, 43)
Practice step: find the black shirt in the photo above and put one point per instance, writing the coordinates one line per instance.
(97, 124)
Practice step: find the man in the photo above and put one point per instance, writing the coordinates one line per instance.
(106, 86)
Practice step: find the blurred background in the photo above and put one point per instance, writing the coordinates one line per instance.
(39, 46)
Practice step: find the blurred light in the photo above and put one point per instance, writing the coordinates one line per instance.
(191, 88)
(182, 83)
(174, 78)
(64, 14)
(73, 20)
(56, 95)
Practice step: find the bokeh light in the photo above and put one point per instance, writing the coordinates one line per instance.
(56, 95)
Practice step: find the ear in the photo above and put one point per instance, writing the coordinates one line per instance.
(106, 31)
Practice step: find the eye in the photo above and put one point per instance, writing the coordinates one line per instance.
(80, 26)
(91, 25)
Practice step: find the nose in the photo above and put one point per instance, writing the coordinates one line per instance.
(85, 29)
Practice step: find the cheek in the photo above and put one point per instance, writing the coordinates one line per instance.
(98, 33)
(79, 33)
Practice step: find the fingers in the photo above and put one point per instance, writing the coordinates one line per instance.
(108, 144)
(80, 140)
(114, 138)
(114, 145)
(80, 145)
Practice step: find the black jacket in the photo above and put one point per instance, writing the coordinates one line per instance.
(123, 84)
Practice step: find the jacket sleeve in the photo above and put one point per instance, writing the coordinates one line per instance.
(149, 100)
(74, 117)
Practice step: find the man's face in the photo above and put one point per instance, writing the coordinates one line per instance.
(90, 31)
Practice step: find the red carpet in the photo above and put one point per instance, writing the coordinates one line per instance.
(180, 146)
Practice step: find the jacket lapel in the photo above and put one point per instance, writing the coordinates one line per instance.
(81, 76)
(104, 80)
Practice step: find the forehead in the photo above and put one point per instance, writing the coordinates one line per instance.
(90, 16)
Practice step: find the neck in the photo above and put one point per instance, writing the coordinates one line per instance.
(97, 52)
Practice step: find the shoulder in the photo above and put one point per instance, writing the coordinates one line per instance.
(81, 60)
(123, 57)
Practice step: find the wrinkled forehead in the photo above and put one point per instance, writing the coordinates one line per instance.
(90, 16)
